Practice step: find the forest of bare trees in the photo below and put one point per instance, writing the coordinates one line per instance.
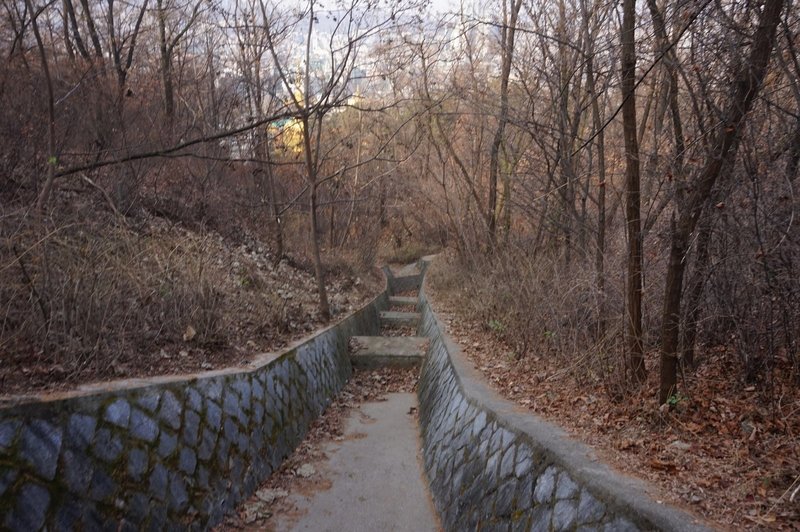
(618, 178)
(612, 184)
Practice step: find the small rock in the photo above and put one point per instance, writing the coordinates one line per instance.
(255, 511)
(305, 470)
(679, 445)
(189, 334)
(269, 496)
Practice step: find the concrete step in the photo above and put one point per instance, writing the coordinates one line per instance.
(387, 351)
(404, 283)
(401, 301)
(391, 318)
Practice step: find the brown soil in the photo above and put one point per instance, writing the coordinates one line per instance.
(726, 452)
(370, 385)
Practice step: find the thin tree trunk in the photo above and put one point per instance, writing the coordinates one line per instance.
(311, 168)
(744, 90)
(87, 13)
(600, 242)
(324, 307)
(52, 158)
(165, 63)
(695, 291)
(633, 199)
(508, 33)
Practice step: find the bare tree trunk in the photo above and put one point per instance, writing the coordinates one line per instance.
(746, 86)
(52, 158)
(695, 291)
(165, 62)
(508, 33)
(600, 242)
(87, 13)
(632, 204)
(324, 307)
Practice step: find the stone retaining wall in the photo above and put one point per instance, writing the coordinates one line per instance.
(167, 453)
(493, 467)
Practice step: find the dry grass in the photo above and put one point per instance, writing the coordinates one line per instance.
(93, 300)
(728, 450)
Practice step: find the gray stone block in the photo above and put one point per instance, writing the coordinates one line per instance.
(524, 462)
(524, 495)
(504, 502)
(158, 482)
(565, 515)
(30, 510)
(211, 388)
(118, 413)
(478, 424)
(223, 447)
(138, 460)
(242, 387)
(77, 471)
(258, 413)
(213, 414)
(138, 507)
(194, 400)
(7, 477)
(40, 447)
(102, 487)
(191, 428)
(96, 521)
(143, 427)
(187, 461)
(590, 510)
(258, 390)
(167, 443)
(67, 516)
(149, 400)
(541, 517)
(80, 431)
(567, 488)
(492, 466)
(207, 442)
(170, 411)
(203, 478)
(242, 441)
(231, 406)
(507, 463)
(521, 522)
(178, 496)
(8, 431)
(545, 486)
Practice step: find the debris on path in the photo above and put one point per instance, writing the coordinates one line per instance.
(298, 473)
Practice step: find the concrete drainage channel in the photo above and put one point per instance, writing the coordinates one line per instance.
(371, 478)
(180, 453)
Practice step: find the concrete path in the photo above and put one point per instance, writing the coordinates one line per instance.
(376, 478)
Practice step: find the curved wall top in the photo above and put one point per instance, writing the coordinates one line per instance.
(494, 467)
(167, 452)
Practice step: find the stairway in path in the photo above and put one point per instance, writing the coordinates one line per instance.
(398, 345)
(372, 479)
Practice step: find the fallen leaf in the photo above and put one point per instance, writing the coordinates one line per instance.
(189, 334)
